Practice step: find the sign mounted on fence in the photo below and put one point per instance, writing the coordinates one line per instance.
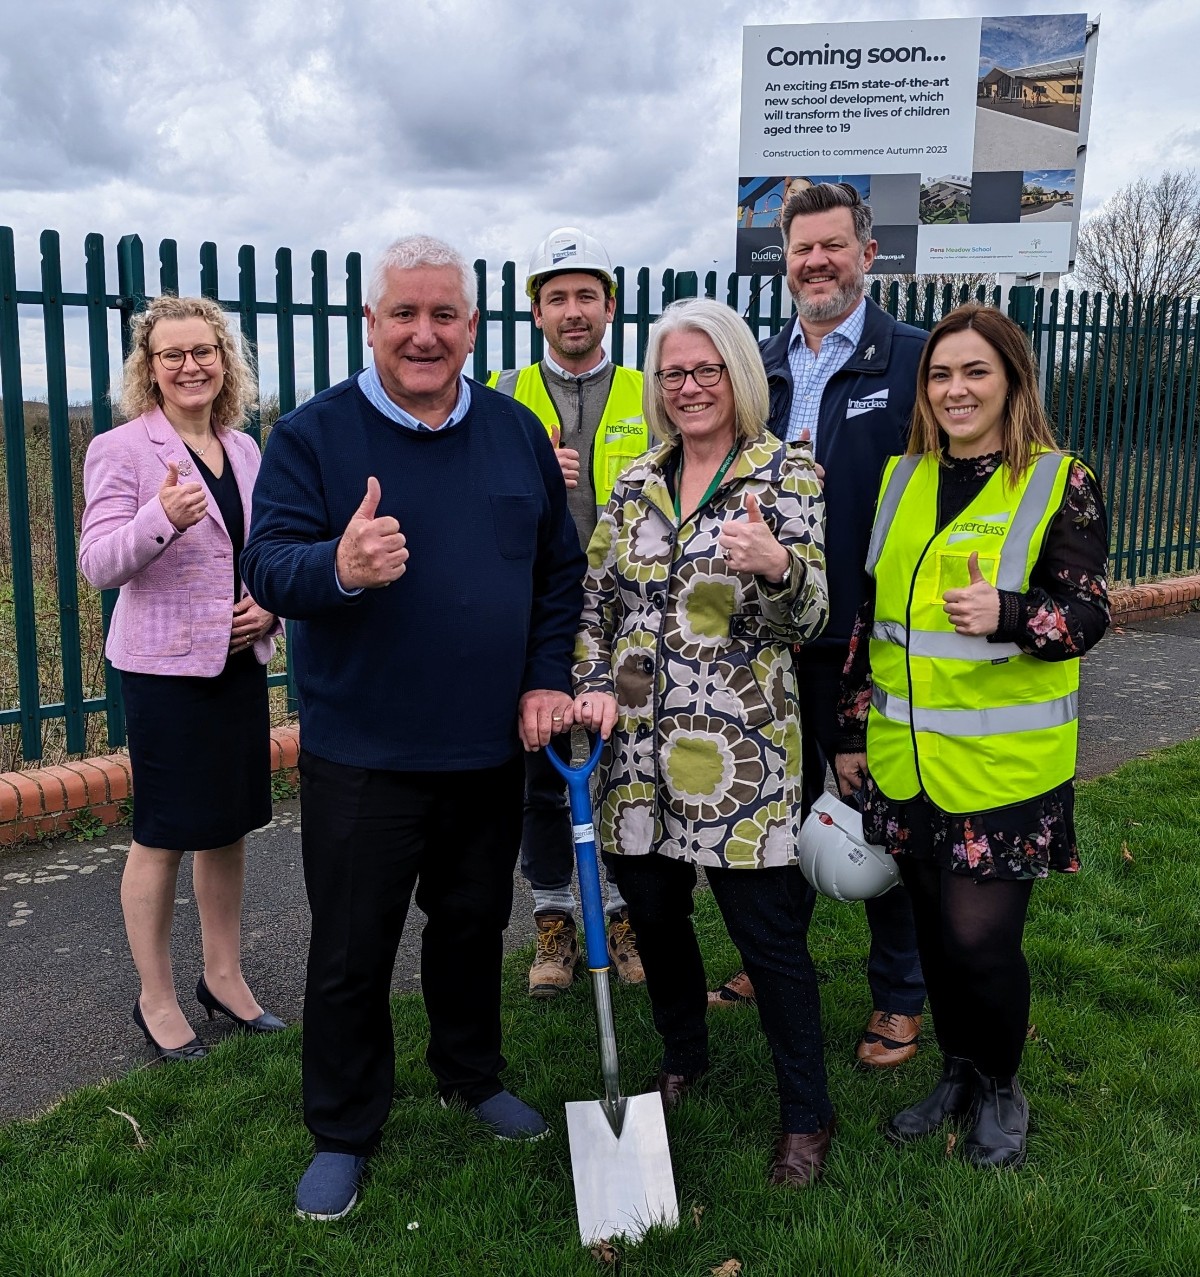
(966, 136)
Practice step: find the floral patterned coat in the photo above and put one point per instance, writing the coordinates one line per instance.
(704, 762)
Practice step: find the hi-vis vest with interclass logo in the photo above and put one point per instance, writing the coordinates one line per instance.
(621, 435)
(974, 724)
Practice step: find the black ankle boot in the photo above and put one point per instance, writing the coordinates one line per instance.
(952, 1097)
(1001, 1123)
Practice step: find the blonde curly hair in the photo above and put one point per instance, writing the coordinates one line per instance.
(139, 391)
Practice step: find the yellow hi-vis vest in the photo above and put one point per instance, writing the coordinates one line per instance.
(621, 435)
(975, 725)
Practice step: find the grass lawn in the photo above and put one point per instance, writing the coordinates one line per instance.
(1112, 1071)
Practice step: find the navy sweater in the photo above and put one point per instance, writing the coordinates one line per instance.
(425, 673)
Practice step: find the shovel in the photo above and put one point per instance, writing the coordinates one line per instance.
(620, 1159)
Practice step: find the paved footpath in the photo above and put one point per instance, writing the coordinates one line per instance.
(68, 983)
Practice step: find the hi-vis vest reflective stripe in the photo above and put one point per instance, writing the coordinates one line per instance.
(974, 724)
(621, 435)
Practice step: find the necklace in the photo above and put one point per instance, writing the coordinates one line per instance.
(201, 451)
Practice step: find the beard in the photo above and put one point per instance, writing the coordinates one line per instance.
(831, 307)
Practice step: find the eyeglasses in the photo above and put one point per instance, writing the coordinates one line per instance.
(203, 355)
(702, 375)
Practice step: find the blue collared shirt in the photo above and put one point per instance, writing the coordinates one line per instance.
(556, 367)
(811, 373)
(371, 386)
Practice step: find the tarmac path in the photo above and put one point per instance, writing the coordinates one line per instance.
(68, 983)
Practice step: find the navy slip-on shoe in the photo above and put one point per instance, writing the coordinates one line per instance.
(329, 1188)
(509, 1118)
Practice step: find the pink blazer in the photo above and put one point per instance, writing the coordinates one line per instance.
(175, 609)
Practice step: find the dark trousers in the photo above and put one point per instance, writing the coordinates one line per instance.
(547, 849)
(893, 964)
(766, 912)
(369, 838)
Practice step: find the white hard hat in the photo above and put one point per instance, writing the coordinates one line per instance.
(567, 249)
(836, 859)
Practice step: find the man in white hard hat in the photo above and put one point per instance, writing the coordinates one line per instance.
(592, 411)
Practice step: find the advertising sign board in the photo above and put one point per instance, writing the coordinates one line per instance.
(965, 135)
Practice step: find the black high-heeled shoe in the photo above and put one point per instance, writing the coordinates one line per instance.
(192, 1050)
(265, 1023)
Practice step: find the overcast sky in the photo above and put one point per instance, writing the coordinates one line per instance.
(320, 125)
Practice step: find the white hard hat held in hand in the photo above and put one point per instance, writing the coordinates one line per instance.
(569, 249)
(836, 859)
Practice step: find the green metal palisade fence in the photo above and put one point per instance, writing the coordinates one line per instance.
(1119, 378)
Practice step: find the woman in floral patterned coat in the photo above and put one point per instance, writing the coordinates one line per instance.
(706, 566)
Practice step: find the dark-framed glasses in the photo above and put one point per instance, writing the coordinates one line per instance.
(702, 375)
(172, 357)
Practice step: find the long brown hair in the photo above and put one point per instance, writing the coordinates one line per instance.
(1025, 429)
(139, 391)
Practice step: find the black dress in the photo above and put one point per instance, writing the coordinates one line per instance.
(1061, 616)
(199, 748)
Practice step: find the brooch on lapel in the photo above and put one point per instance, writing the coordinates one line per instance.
(185, 466)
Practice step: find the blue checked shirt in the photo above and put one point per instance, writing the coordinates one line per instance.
(811, 373)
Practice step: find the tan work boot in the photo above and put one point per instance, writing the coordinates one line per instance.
(557, 953)
(623, 950)
(889, 1039)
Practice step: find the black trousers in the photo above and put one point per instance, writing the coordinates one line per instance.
(893, 966)
(369, 838)
(766, 912)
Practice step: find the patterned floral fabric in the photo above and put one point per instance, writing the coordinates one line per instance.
(1062, 614)
(704, 763)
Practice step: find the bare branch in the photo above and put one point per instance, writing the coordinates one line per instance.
(1145, 238)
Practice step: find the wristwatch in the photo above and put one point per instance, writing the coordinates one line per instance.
(786, 579)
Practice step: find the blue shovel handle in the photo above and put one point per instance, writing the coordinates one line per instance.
(584, 832)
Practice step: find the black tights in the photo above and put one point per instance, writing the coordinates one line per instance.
(969, 939)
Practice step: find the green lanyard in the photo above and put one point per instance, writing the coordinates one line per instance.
(712, 487)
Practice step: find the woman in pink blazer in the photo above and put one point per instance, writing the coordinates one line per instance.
(167, 514)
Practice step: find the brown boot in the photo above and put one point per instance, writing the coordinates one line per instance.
(889, 1039)
(557, 953)
(623, 950)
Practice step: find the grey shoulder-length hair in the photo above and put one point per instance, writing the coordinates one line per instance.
(738, 351)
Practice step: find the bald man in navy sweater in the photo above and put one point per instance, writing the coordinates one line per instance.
(414, 526)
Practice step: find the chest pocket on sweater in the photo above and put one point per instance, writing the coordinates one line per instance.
(516, 522)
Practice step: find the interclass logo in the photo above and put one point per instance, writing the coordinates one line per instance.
(856, 407)
(567, 250)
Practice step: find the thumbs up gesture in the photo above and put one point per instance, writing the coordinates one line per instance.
(568, 458)
(183, 503)
(976, 609)
(749, 545)
(372, 552)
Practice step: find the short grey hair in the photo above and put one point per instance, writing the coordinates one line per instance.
(825, 196)
(738, 351)
(411, 251)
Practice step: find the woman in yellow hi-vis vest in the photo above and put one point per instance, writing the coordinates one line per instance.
(986, 583)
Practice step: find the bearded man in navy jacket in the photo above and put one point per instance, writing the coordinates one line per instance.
(414, 527)
(843, 375)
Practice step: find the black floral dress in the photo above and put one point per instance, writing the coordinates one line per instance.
(1062, 615)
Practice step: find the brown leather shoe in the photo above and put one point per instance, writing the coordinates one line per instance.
(674, 1086)
(800, 1158)
(889, 1039)
(737, 991)
(557, 953)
